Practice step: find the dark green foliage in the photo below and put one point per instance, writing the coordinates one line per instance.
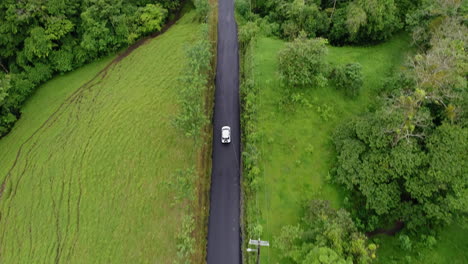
(339, 34)
(301, 16)
(425, 20)
(341, 21)
(39, 38)
(348, 78)
(243, 8)
(302, 62)
(325, 236)
(408, 160)
(423, 186)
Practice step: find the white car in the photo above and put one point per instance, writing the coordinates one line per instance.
(225, 135)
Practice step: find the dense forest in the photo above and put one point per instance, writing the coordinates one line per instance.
(340, 21)
(407, 160)
(40, 38)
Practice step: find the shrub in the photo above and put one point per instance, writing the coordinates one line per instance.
(405, 242)
(185, 241)
(348, 78)
(202, 8)
(151, 18)
(302, 62)
(243, 8)
(247, 33)
(325, 234)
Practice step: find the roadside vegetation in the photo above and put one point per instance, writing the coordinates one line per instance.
(96, 171)
(377, 130)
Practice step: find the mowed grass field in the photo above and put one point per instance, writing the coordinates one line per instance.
(296, 142)
(84, 167)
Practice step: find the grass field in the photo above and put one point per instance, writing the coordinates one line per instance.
(83, 168)
(296, 148)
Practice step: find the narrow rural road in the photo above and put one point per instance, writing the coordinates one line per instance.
(224, 230)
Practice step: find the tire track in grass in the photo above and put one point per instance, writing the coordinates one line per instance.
(76, 95)
(25, 151)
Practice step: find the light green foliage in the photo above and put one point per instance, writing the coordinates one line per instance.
(301, 63)
(84, 167)
(325, 236)
(246, 35)
(202, 8)
(278, 137)
(56, 27)
(185, 241)
(301, 16)
(356, 18)
(37, 45)
(193, 86)
(151, 18)
(381, 19)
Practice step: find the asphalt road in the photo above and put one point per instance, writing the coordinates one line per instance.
(224, 230)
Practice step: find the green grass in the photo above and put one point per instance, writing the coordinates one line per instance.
(296, 148)
(86, 186)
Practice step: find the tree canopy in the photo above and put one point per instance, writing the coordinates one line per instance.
(324, 236)
(408, 159)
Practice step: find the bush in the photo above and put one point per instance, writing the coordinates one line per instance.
(246, 34)
(327, 235)
(302, 62)
(405, 242)
(243, 8)
(202, 8)
(348, 78)
(151, 18)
